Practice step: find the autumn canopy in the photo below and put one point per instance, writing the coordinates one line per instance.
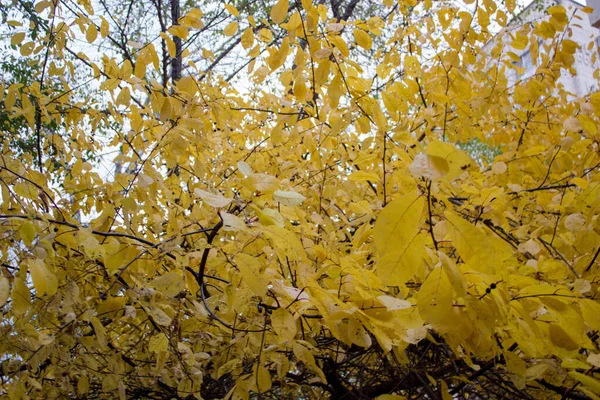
(295, 200)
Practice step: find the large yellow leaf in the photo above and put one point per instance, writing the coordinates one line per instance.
(216, 200)
(401, 262)
(44, 280)
(279, 11)
(284, 324)
(363, 39)
(480, 251)
(251, 270)
(20, 296)
(285, 242)
(434, 300)
(399, 222)
(158, 343)
(169, 284)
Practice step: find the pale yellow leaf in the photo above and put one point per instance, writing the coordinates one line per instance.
(232, 222)
(245, 168)
(430, 167)
(262, 182)
(216, 200)
(288, 197)
(392, 303)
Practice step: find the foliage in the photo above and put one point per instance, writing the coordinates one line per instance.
(311, 231)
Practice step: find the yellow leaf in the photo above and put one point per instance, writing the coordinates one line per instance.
(458, 161)
(560, 338)
(288, 198)
(304, 355)
(169, 284)
(41, 6)
(263, 379)
(357, 334)
(17, 38)
(284, 324)
(262, 182)
(179, 31)
(216, 200)
(399, 222)
(363, 176)
(430, 167)
(363, 39)
(44, 280)
(232, 222)
(232, 10)
(300, 90)
(104, 28)
(83, 384)
(480, 251)
(590, 310)
(159, 316)
(279, 11)
(27, 232)
(21, 298)
(247, 38)
(230, 29)
(92, 33)
(265, 35)
(397, 241)
(252, 271)
(158, 343)
(393, 304)
(4, 290)
(402, 260)
(434, 300)
(589, 382)
(285, 241)
(99, 331)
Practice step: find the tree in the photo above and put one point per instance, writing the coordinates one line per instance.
(312, 231)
